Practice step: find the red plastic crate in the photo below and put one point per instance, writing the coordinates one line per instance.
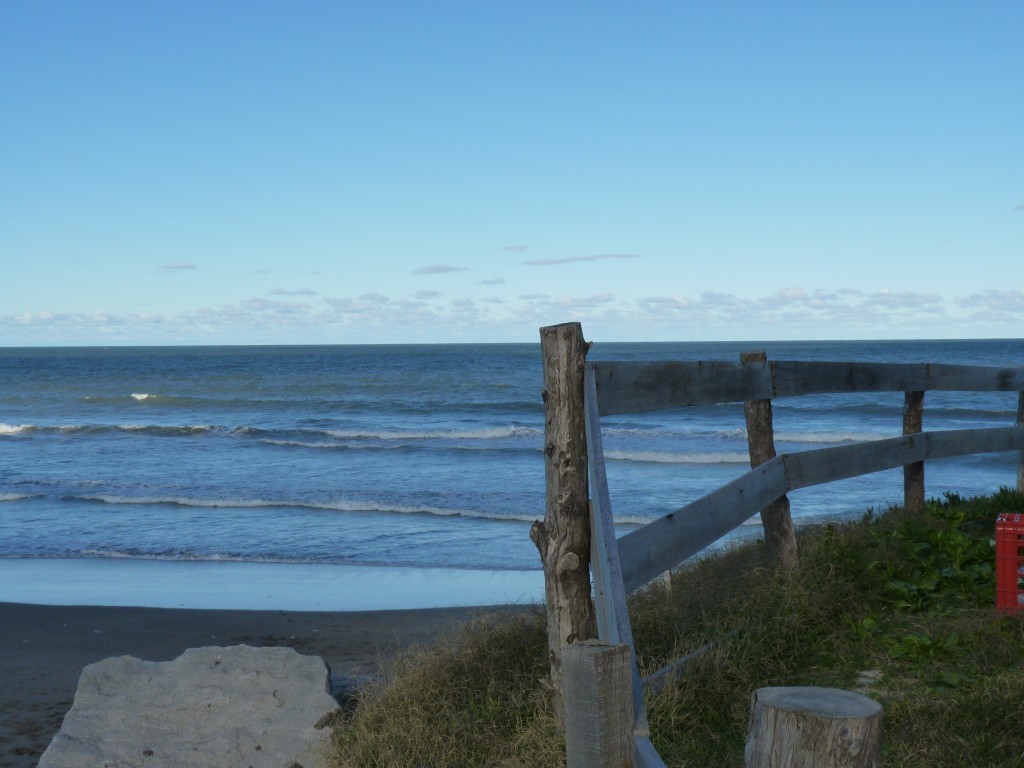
(1010, 562)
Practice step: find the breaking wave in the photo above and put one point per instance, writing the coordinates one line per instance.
(15, 429)
(331, 506)
(441, 434)
(667, 457)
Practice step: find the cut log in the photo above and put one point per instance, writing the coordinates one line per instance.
(807, 727)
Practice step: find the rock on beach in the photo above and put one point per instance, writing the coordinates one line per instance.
(215, 707)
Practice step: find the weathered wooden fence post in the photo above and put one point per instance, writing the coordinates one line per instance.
(1020, 423)
(806, 727)
(598, 705)
(779, 536)
(563, 539)
(913, 474)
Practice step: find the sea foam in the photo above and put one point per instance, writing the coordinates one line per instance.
(668, 457)
(14, 429)
(448, 434)
(344, 505)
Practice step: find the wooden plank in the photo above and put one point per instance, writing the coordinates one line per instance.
(913, 474)
(563, 539)
(664, 543)
(631, 386)
(825, 465)
(791, 378)
(612, 613)
(598, 705)
(610, 593)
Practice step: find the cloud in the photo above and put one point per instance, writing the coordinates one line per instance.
(178, 266)
(492, 281)
(573, 259)
(286, 292)
(1019, 207)
(901, 300)
(438, 269)
(515, 248)
(994, 307)
(578, 302)
(792, 293)
(655, 303)
(791, 313)
(278, 307)
(713, 299)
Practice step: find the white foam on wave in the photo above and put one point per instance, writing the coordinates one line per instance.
(184, 556)
(668, 457)
(156, 428)
(140, 396)
(741, 434)
(330, 506)
(303, 444)
(662, 432)
(447, 434)
(14, 429)
(830, 437)
(16, 496)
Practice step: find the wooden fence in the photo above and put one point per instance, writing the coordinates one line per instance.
(619, 566)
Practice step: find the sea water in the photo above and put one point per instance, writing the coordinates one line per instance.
(425, 458)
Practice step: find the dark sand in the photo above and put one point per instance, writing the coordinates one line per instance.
(44, 648)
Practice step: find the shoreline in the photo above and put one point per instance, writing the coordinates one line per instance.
(234, 585)
(43, 649)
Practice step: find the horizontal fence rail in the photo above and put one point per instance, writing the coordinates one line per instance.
(632, 386)
(664, 543)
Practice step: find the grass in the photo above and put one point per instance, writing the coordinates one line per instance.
(906, 597)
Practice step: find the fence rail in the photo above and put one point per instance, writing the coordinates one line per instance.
(664, 543)
(635, 386)
(621, 565)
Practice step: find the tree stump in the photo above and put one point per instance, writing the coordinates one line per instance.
(805, 727)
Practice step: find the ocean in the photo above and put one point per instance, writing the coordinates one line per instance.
(393, 457)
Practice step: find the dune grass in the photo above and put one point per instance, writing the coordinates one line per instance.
(897, 605)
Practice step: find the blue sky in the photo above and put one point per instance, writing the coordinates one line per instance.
(342, 172)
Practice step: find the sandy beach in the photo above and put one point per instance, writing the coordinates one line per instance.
(43, 649)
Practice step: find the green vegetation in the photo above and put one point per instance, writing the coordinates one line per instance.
(897, 605)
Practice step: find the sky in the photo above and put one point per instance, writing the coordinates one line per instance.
(413, 172)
